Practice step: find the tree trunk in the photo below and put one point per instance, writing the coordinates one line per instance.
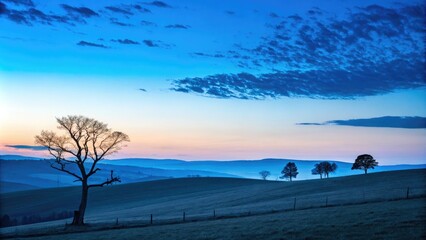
(365, 170)
(320, 176)
(79, 215)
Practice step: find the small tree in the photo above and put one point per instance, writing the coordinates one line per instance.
(289, 171)
(329, 168)
(364, 162)
(264, 174)
(318, 170)
(85, 143)
(324, 169)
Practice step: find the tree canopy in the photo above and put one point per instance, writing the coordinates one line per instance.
(365, 162)
(289, 171)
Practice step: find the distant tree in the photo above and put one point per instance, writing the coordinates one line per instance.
(289, 171)
(324, 169)
(318, 170)
(264, 174)
(329, 168)
(365, 162)
(84, 138)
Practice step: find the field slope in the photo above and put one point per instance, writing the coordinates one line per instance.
(199, 197)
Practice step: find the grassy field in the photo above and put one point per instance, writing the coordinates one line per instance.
(402, 219)
(198, 197)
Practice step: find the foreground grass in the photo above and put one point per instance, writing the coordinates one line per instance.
(402, 219)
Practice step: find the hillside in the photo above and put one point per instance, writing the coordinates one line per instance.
(200, 196)
(251, 168)
(15, 174)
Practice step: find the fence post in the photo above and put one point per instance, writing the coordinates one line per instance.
(408, 192)
(294, 205)
(116, 221)
(214, 213)
(326, 201)
(184, 216)
(151, 218)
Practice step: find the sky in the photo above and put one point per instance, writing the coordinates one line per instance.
(220, 80)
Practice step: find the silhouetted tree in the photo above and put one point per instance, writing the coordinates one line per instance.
(318, 170)
(264, 174)
(328, 168)
(84, 138)
(364, 162)
(324, 169)
(289, 171)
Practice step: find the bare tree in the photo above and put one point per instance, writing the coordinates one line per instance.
(85, 143)
(264, 174)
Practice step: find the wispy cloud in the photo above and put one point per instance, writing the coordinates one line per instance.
(181, 26)
(81, 11)
(126, 41)
(27, 3)
(147, 23)
(122, 24)
(28, 147)
(371, 51)
(159, 4)
(30, 16)
(90, 44)
(119, 10)
(386, 121)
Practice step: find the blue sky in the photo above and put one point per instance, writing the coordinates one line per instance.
(220, 80)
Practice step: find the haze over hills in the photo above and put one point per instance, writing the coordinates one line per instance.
(251, 168)
(26, 173)
(18, 175)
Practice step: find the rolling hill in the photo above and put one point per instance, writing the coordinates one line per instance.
(251, 168)
(245, 208)
(17, 175)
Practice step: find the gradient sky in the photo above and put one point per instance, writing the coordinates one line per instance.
(220, 79)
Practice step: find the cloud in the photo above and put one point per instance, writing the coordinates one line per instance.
(159, 4)
(90, 44)
(127, 9)
(30, 16)
(177, 26)
(115, 22)
(29, 147)
(386, 121)
(142, 89)
(126, 41)
(369, 51)
(230, 12)
(81, 11)
(119, 10)
(27, 3)
(147, 23)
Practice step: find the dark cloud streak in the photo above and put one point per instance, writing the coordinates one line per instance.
(386, 122)
(90, 44)
(29, 147)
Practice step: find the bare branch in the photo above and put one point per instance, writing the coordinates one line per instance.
(62, 169)
(107, 182)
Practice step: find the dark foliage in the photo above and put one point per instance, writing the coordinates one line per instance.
(364, 162)
(289, 171)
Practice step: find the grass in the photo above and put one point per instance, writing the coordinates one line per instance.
(403, 219)
(198, 197)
